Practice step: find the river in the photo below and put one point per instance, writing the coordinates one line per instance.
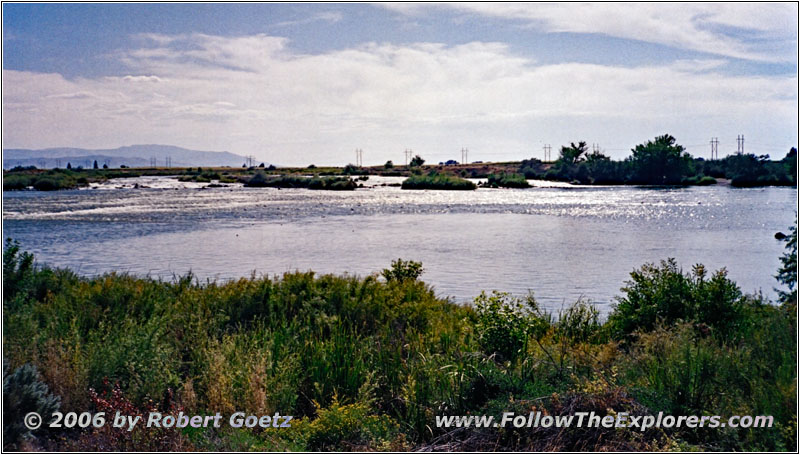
(560, 242)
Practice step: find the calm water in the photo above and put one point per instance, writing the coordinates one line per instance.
(560, 242)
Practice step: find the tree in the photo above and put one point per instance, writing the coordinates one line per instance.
(69, 165)
(105, 166)
(573, 154)
(388, 165)
(94, 165)
(787, 273)
(416, 161)
(660, 161)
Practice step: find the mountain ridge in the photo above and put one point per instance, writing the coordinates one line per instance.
(129, 155)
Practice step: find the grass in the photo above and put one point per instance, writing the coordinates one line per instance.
(366, 363)
(436, 181)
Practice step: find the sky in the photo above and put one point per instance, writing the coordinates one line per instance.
(299, 84)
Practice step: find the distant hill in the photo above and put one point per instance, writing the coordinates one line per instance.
(133, 156)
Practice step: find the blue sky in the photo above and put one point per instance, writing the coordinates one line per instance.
(302, 83)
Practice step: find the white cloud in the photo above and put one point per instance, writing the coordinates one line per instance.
(253, 95)
(754, 31)
(326, 16)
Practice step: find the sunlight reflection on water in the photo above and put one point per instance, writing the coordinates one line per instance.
(561, 243)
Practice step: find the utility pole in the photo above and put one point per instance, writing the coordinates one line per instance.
(152, 161)
(714, 148)
(408, 153)
(168, 161)
(464, 155)
(740, 144)
(595, 148)
(359, 157)
(547, 152)
(58, 162)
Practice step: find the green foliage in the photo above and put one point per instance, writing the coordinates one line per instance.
(664, 294)
(437, 182)
(505, 324)
(388, 165)
(660, 161)
(507, 181)
(16, 182)
(347, 427)
(403, 270)
(23, 392)
(573, 154)
(366, 364)
(417, 161)
(260, 180)
(787, 273)
(351, 169)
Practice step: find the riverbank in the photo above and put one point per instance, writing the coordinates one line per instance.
(500, 175)
(368, 363)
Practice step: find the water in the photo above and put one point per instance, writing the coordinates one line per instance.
(559, 241)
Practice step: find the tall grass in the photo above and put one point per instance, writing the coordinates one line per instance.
(388, 353)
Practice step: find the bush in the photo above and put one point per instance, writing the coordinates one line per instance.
(348, 428)
(23, 392)
(16, 182)
(437, 182)
(664, 294)
(505, 323)
(403, 270)
(507, 181)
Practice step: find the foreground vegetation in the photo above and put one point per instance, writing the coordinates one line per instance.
(367, 363)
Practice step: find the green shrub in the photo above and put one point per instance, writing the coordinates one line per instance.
(665, 294)
(16, 182)
(437, 182)
(507, 181)
(505, 324)
(403, 270)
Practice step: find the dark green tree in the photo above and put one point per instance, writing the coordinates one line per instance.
(660, 162)
(389, 164)
(573, 154)
(94, 165)
(417, 161)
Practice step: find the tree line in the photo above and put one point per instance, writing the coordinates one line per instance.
(662, 161)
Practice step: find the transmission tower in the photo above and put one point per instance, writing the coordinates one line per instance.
(547, 152)
(714, 148)
(740, 144)
(408, 153)
(464, 155)
(359, 157)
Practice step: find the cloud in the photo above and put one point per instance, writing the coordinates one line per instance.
(751, 31)
(326, 16)
(253, 95)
